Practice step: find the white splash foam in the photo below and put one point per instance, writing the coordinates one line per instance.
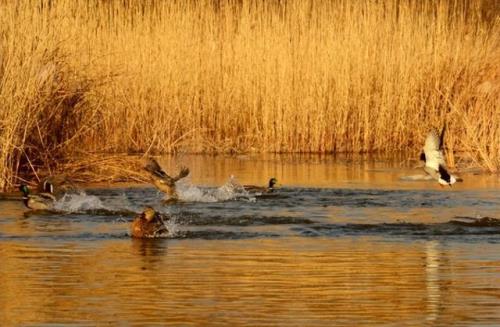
(73, 202)
(229, 191)
(120, 202)
(416, 178)
(172, 226)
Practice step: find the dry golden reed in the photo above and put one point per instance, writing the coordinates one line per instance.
(80, 78)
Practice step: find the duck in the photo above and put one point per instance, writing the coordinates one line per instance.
(262, 189)
(57, 185)
(162, 181)
(40, 201)
(433, 157)
(149, 224)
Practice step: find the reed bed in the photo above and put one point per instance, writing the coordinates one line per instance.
(84, 79)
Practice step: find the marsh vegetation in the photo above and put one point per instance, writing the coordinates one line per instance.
(84, 82)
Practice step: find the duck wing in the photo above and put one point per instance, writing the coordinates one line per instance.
(441, 138)
(183, 173)
(56, 185)
(49, 197)
(40, 201)
(46, 185)
(153, 167)
(433, 151)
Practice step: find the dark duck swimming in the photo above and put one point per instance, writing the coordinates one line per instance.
(271, 187)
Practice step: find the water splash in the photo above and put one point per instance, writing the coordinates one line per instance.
(231, 190)
(120, 203)
(76, 202)
(172, 226)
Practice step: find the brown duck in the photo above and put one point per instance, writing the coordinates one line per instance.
(149, 224)
(162, 180)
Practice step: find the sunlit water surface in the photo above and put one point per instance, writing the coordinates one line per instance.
(345, 241)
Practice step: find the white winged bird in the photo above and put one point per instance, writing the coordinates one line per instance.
(433, 157)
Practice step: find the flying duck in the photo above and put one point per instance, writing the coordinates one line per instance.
(433, 157)
(162, 180)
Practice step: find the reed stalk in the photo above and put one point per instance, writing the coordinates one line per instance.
(80, 77)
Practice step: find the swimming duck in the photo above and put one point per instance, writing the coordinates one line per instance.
(148, 224)
(40, 201)
(162, 180)
(433, 157)
(263, 189)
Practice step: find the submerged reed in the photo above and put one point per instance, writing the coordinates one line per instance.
(81, 77)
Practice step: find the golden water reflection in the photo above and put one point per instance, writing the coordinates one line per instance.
(83, 269)
(292, 281)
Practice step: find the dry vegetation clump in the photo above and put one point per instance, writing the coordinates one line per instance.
(79, 79)
(42, 112)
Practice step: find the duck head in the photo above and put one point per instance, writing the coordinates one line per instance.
(273, 181)
(24, 189)
(149, 214)
(447, 181)
(445, 178)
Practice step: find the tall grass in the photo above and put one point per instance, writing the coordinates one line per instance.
(80, 78)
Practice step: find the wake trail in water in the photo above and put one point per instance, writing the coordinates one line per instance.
(193, 219)
(75, 202)
(465, 226)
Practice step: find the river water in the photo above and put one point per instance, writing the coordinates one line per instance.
(345, 241)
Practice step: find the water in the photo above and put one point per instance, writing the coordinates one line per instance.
(345, 241)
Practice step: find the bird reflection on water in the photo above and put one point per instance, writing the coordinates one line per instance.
(432, 279)
(151, 251)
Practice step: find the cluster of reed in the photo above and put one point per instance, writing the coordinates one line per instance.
(80, 77)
